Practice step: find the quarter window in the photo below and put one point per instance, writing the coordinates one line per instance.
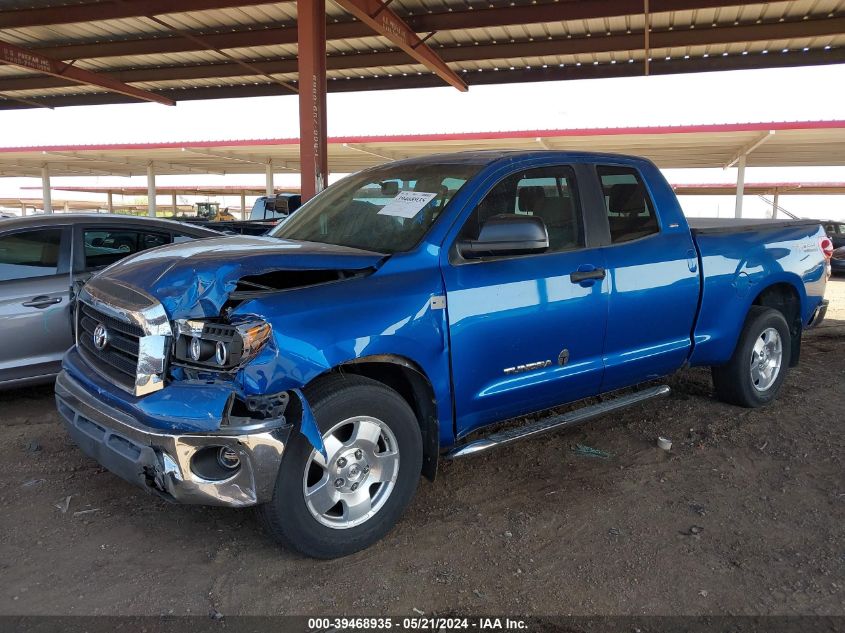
(630, 212)
(30, 254)
(546, 192)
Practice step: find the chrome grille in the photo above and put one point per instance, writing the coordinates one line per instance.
(119, 360)
(139, 335)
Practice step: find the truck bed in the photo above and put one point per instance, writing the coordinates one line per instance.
(709, 226)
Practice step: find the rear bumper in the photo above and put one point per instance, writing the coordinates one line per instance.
(166, 463)
(818, 315)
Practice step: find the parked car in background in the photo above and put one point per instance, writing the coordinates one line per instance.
(836, 232)
(273, 209)
(317, 372)
(837, 261)
(43, 259)
(266, 213)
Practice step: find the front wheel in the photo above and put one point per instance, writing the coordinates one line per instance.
(334, 506)
(756, 371)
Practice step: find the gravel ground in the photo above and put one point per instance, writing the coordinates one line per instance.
(743, 516)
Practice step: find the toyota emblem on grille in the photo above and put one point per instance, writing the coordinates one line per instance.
(101, 337)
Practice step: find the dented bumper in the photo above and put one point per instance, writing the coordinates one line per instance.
(177, 465)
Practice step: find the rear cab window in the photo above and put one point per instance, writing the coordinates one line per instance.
(630, 211)
(33, 253)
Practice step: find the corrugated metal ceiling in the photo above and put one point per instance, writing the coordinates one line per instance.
(740, 35)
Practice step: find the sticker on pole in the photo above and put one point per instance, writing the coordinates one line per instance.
(407, 204)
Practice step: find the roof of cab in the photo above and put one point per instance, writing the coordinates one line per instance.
(488, 157)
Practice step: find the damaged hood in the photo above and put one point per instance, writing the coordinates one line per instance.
(194, 279)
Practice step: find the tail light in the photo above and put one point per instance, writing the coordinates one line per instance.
(826, 244)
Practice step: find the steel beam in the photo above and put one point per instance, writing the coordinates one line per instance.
(750, 147)
(110, 201)
(381, 18)
(23, 58)
(46, 197)
(313, 150)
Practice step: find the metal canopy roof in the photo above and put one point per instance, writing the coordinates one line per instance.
(810, 143)
(233, 48)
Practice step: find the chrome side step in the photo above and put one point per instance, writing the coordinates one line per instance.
(556, 422)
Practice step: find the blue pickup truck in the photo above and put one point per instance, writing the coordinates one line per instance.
(317, 372)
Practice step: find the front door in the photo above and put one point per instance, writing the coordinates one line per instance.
(525, 334)
(34, 299)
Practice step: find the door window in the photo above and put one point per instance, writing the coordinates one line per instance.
(629, 209)
(106, 246)
(546, 192)
(30, 254)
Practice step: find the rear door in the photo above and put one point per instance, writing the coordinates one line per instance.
(34, 301)
(652, 269)
(525, 335)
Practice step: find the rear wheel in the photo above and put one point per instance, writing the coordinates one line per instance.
(332, 506)
(759, 364)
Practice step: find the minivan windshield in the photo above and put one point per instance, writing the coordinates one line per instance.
(386, 210)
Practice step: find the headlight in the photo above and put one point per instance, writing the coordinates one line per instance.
(218, 346)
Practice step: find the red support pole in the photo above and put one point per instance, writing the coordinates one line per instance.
(311, 32)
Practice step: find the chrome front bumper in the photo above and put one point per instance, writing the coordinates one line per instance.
(162, 462)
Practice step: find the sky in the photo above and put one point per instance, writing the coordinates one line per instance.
(789, 94)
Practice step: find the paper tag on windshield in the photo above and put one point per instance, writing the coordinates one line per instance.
(407, 204)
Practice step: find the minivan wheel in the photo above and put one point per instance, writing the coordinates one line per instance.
(332, 506)
(759, 364)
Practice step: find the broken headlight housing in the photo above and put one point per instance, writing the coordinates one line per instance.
(216, 346)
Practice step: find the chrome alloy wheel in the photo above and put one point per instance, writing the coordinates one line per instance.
(766, 359)
(356, 480)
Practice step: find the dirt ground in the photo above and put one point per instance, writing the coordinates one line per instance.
(746, 515)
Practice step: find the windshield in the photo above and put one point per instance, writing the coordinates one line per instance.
(387, 210)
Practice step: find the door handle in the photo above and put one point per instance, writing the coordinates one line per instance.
(591, 275)
(42, 301)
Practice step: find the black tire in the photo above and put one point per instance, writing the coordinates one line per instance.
(733, 382)
(334, 399)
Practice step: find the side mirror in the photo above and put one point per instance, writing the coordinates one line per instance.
(507, 234)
